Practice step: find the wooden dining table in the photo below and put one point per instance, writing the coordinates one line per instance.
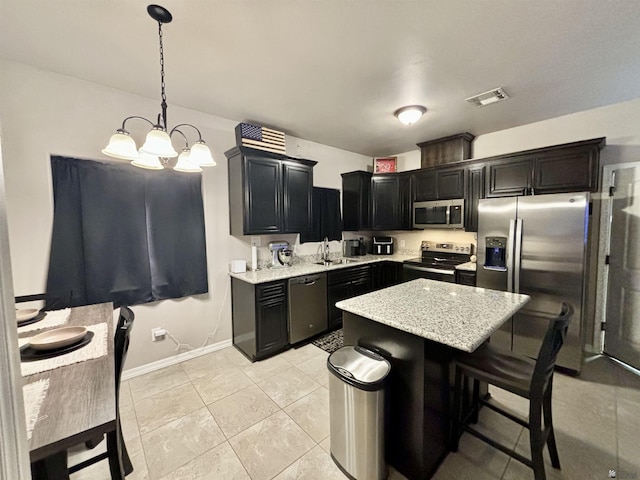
(80, 402)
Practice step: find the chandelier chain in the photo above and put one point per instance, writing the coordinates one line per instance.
(162, 84)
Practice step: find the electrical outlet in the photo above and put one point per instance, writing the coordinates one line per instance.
(255, 241)
(158, 333)
(402, 243)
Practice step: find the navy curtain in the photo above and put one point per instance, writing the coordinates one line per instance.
(124, 235)
(327, 221)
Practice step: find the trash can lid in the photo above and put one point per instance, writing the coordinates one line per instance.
(359, 367)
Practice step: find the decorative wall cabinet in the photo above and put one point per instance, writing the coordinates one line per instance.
(445, 150)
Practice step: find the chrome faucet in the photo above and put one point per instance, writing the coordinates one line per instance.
(325, 249)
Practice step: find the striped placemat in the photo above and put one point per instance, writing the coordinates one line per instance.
(34, 394)
(95, 349)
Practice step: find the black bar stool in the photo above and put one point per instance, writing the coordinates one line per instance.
(530, 379)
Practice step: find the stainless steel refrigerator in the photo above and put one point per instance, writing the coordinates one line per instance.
(537, 246)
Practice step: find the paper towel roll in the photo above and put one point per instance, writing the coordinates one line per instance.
(254, 258)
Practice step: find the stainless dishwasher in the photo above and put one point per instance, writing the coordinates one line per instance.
(307, 306)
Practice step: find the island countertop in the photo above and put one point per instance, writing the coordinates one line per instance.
(458, 316)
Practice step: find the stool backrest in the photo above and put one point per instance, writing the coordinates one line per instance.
(553, 341)
(121, 341)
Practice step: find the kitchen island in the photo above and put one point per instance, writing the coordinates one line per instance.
(419, 326)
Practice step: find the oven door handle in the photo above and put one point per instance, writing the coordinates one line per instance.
(430, 270)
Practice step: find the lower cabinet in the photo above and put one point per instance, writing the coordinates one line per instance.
(385, 274)
(466, 277)
(259, 315)
(342, 284)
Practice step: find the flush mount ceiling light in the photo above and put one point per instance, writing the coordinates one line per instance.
(487, 98)
(411, 114)
(157, 151)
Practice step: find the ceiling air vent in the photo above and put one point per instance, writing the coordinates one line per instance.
(486, 98)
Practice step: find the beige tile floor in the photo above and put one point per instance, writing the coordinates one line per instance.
(219, 417)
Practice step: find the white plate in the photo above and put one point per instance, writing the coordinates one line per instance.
(58, 338)
(26, 314)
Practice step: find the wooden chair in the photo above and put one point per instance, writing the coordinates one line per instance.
(530, 379)
(119, 462)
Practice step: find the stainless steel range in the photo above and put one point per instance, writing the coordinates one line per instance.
(437, 261)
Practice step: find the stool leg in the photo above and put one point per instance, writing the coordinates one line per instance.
(115, 456)
(53, 467)
(476, 400)
(457, 407)
(548, 423)
(536, 438)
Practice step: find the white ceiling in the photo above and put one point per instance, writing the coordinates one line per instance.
(334, 71)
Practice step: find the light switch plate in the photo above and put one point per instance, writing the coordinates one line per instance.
(255, 241)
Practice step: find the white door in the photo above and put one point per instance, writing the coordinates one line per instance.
(622, 332)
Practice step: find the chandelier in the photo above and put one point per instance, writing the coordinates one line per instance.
(157, 150)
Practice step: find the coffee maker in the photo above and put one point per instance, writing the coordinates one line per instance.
(281, 254)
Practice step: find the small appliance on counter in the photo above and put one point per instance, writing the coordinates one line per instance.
(351, 248)
(281, 254)
(383, 245)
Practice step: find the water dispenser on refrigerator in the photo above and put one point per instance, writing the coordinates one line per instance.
(496, 254)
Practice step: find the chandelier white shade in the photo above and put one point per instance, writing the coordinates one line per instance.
(121, 146)
(148, 161)
(411, 114)
(158, 149)
(158, 143)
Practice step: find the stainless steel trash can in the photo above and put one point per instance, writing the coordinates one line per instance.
(356, 410)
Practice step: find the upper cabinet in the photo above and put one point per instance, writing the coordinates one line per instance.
(356, 201)
(454, 148)
(268, 193)
(441, 183)
(376, 202)
(385, 201)
(474, 192)
(563, 168)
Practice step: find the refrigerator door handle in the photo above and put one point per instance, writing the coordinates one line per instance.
(510, 254)
(518, 256)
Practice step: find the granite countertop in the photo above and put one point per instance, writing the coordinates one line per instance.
(305, 268)
(459, 316)
(467, 267)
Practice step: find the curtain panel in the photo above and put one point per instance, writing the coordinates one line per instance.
(124, 235)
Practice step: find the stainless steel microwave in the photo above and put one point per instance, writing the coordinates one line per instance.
(439, 214)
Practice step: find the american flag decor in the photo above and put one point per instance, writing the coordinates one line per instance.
(261, 138)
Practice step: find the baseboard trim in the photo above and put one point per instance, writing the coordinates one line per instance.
(167, 362)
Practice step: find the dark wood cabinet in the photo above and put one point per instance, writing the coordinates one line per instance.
(269, 193)
(466, 277)
(445, 150)
(342, 284)
(571, 167)
(441, 183)
(405, 212)
(474, 192)
(424, 185)
(297, 184)
(450, 183)
(385, 274)
(259, 314)
(510, 177)
(385, 202)
(566, 171)
(391, 201)
(262, 195)
(356, 201)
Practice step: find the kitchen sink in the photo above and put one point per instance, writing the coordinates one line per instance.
(340, 261)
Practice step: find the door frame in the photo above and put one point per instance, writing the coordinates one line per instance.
(603, 251)
(14, 451)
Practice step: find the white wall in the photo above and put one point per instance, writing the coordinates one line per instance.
(45, 113)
